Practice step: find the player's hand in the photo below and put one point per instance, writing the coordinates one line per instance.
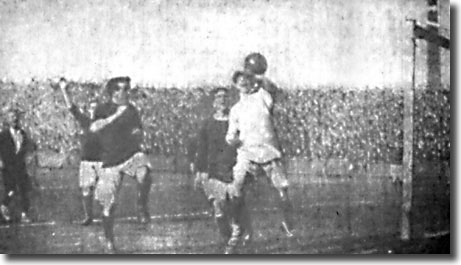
(62, 84)
(97, 125)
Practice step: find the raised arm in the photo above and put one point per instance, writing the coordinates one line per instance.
(82, 119)
(269, 86)
(101, 123)
(63, 87)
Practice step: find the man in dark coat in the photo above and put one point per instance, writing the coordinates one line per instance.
(15, 145)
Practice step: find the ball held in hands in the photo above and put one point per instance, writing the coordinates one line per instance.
(255, 63)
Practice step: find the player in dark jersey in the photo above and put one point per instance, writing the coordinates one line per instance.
(120, 136)
(91, 153)
(90, 160)
(214, 162)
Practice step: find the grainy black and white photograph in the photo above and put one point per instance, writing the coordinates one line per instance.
(225, 127)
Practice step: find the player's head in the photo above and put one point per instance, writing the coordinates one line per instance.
(220, 99)
(117, 88)
(241, 81)
(255, 63)
(245, 82)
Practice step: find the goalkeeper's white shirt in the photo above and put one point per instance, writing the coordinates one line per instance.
(250, 121)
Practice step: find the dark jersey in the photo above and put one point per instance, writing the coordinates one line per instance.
(90, 147)
(214, 155)
(122, 138)
(14, 170)
(14, 159)
(104, 110)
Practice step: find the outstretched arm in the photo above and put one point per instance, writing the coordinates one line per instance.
(82, 119)
(100, 124)
(269, 86)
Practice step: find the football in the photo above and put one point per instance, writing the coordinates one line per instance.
(255, 63)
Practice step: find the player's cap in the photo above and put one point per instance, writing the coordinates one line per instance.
(117, 83)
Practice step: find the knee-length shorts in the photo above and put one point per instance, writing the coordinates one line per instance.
(88, 175)
(110, 179)
(273, 169)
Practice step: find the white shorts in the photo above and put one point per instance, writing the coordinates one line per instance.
(88, 175)
(274, 170)
(110, 179)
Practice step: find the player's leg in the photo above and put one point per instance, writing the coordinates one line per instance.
(276, 172)
(287, 209)
(87, 200)
(140, 168)
(108, 226)
(106, 193)
(239, 171)
(144, 184)
(216, 192)
(87, 178)
(243, 217)
(24, 188)
(235, 208)
(249, 170)
(9, 191)
(222, 219)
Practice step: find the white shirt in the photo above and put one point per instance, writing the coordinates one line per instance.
(17, 138)
(250, 121)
